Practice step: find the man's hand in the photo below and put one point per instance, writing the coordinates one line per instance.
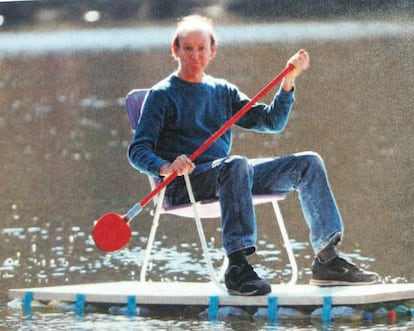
(182, 165)
(301, 62)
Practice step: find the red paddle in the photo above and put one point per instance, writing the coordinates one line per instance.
(112, 232)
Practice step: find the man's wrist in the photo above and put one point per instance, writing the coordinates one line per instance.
(164, 169)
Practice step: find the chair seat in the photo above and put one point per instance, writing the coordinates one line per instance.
(211, 208)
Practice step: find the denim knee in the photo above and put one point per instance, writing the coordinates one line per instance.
(240, 164)
(236, 175)
(311, 160)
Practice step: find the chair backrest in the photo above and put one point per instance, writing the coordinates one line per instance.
(133, 103)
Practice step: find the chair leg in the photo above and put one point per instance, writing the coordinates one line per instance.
(201, 235)
(151, 237)
(288, 246)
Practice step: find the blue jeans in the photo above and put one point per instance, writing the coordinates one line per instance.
(233, 180)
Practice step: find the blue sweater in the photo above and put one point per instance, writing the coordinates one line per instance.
(178, 117)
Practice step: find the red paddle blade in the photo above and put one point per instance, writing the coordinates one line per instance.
(111, 233)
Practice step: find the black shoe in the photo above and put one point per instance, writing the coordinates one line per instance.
(338, 271)
(243, 280)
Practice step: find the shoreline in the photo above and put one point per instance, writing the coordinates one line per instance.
(146, 38)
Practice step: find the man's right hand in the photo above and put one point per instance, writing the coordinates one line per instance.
(182, 165)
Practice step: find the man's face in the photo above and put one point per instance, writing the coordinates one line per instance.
(194, 52)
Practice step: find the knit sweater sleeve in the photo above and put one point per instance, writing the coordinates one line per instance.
(265, 118)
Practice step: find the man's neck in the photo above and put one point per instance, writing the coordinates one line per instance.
(198, 78)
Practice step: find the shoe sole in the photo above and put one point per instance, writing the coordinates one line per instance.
(319, 282)
(252, 293)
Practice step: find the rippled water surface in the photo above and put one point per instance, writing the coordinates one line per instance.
(63, 145)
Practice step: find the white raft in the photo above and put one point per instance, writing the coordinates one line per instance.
(133, 293)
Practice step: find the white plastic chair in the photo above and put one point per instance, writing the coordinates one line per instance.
(198, 209)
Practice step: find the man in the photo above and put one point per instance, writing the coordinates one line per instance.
(185, 109)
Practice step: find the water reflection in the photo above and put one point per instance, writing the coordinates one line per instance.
(63, 142)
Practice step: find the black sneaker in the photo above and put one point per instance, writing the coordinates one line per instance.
(340, 272)
(243, 280)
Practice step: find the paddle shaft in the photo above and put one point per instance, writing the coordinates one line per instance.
(136, 209)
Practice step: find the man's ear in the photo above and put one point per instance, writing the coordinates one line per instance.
(174, 50)
(213, 51)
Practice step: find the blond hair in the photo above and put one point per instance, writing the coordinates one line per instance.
(194, 23)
